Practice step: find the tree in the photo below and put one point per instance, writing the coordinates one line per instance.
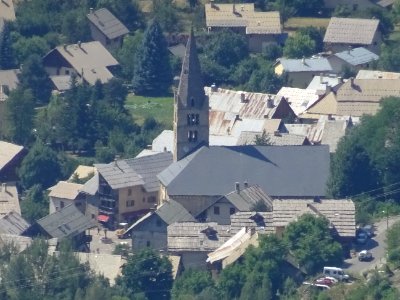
(146, 272)
(152, 75)
(166, 14)
(19, 115)
(310, 241)
(40, 166)
(316, 34)
(191, 284)
(299, 45)
(127, 11)
(34, 76)
(35, 204)
(302, 8)
(128, 52)
(263, 139)
(24, 47)
(7, 60)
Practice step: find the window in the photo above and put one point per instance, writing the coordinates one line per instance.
(66, 72)
(190, 135)
(62, 204)
(93, 216)
(151, 199)
(194, 138)
(216, 210)
(129, 192)
(130, 203)
(197, 119)
(192, 101)
(232, 210)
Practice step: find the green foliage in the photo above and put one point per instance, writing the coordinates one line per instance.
(272, 52)
(301, 8)
(299, 45)
(316, 34)
(310, 241)
(191, 283)
(7, 60)
(226, 48)
(35, 204)
(360, 165)
(40, 166)
(146, 272)
(389, 58)
(34, 76)
(167, 15)
(19, 115)
(393, 244)
(152, 75)
(127, 54)
(263, 139)
(122, 249)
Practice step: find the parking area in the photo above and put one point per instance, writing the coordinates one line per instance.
(104, 242)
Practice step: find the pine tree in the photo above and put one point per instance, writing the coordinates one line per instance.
(6, 51)
(153, 74)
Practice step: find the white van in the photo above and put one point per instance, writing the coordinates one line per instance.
(336, 273)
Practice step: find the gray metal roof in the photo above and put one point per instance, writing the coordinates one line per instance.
(246, 198)
(13, 223)
(135, 171)
(357, 56)
(92, 185)
(281, 171)
(319, 64)
(107, 23)
(171, 211)
(67, 222)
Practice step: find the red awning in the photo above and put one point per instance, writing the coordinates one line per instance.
(103, 218)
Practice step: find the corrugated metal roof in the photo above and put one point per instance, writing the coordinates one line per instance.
(341, 213)
(13, 223)
(357, 56)
(299, 99)
(107, 23)
(319, 64)
(281, 171)
(8, 152)
(66, 222)
(91, 59)
(9, 199)
(7, 11)
(322, 83)
(65, 190)
(191, 236)
(351, 31)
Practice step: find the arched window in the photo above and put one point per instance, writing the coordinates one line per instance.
(197, 119)
(194, 136)
(189, 135)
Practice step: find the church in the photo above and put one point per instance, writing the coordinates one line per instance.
(201, 173)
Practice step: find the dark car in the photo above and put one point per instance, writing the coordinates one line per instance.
(369, 230)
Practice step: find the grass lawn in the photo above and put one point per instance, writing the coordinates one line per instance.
(160, 108)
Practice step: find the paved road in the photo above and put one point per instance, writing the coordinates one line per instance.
(376, 246)
(99, 245)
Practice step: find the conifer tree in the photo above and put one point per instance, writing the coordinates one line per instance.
(153, 75)
(6, 51)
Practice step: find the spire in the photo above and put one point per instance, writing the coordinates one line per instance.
(191, 83)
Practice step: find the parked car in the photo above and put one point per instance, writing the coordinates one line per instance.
(369, 230)
(337, 273)
(365, 255)
(362, 237)
(326, 281)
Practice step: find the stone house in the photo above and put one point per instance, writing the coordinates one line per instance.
(7, 12)
(352, 59)
(151, 229)
(89, 61)
(11, 156)
(9, 200)
(300, 72)
(260, 28)
(8, 82)
(106, 28)
(128, 189)
(66, 193)
(343, 33)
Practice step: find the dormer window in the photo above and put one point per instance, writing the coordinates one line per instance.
(210, 232)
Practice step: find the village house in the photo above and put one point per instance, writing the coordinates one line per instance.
(67, 223)
(352, 59)
(376, 74)
(300, 72)
(324, 84)
(343, 33)
(260, 28)
(89, 61)
(8, 82)
(273, 139)
(240, 200)
(82, 173)
(151, 229)
(7, 12)
(298, 99)
(13, 224)
(66, 193)
(193, 241)
(106, 28)
(11, 156)
(128, 189)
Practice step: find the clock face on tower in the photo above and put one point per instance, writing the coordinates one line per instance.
(186, 149)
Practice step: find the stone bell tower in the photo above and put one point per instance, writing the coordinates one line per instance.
(191, 106)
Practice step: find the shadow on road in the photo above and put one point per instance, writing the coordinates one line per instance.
(370, 244)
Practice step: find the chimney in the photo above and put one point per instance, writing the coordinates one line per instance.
(270, 101)
(65, 47)
(340, 79)
(80, 44)
(352, 81)
(321, 78)
(245, 184)
(234, 8)
(330, 118)
(277, 133)
(212, 3)
(303, 60)
(237, 117)
(349, 50)
(91, 10)
(242, 97)
(214, 87)
(237, 187)
(4, 187)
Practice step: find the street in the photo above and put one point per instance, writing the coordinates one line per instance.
(376, 246)
(102, 245)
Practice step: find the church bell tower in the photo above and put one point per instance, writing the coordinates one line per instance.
(191, 106)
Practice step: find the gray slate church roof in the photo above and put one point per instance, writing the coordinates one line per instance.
(281, 171)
